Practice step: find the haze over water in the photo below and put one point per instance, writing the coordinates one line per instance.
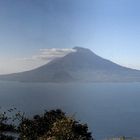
(110, 109)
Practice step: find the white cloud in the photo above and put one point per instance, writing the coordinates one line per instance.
(12, 65)
(49, 54)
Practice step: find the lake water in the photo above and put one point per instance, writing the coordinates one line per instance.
(110, 109)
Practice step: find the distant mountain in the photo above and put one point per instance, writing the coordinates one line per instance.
(80, 66)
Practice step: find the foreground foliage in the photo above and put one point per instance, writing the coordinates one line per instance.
(51, 125)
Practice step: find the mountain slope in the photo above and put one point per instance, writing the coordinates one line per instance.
(80, 66)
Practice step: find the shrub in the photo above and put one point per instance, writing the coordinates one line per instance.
(52, 125)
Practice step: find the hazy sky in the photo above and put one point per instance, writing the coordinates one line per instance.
(111, 28)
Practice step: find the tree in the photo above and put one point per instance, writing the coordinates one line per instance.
(33, 128)
(51, 125)
(5, 126)
(67, 129)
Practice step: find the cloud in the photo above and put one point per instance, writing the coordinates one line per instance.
(44, 56)
(49, 54)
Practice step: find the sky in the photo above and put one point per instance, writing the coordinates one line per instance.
(32, 32)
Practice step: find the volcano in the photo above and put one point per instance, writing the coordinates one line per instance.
(82, 65)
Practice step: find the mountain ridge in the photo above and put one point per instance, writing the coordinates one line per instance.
(82, 65)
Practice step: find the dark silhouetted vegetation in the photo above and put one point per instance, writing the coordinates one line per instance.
(51, 125)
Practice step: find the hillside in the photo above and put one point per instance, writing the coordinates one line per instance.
(80, 66)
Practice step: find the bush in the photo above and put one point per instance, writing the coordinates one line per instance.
(67, 129)
(52, 125)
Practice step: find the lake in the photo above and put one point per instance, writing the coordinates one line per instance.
(110, 109)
